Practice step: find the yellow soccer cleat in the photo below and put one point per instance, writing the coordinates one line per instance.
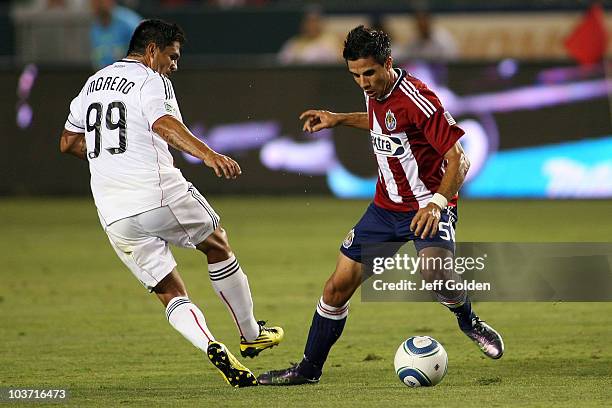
(268, 337)
(234, 373)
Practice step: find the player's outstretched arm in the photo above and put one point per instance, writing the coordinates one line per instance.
(425, 222)
(74, 144)
(315, 120)
(176, 134)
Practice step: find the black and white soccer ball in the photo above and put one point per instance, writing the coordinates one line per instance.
(421, 361)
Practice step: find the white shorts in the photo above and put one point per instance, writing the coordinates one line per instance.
(141, 241)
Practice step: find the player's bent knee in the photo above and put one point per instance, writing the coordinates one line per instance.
(435, 257)
(334, 295)
(431, 274)
(216, 245)
(170, 287)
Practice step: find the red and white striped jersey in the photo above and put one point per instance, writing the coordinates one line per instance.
(410, 132)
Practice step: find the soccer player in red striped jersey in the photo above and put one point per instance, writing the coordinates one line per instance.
(421, 167)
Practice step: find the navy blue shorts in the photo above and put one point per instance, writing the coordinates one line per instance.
(378, 226)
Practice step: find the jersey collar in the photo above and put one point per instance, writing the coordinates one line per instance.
(133, 61)
(400, 75)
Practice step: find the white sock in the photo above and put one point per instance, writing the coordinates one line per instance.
(332, 312)
(232, 287)
(188, 320)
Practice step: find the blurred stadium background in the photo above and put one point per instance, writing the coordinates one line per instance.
(530, 81)
(526, 79)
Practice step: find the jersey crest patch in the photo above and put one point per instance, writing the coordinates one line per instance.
(390, 121)
(449, 118)
(348, 241)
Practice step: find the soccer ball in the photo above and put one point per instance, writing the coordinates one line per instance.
(420, 361)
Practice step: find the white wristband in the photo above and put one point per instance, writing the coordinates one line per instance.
(439, 200)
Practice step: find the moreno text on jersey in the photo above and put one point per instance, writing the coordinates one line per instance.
(110, 83)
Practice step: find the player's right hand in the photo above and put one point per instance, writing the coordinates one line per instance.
(315, 120)
(223, 166)
(425, 222)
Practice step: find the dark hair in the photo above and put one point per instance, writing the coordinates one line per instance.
(159, 32)
(362, 42)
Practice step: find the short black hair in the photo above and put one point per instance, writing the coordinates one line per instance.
(159, 32)
(362, 42)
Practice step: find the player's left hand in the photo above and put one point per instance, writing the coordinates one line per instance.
(223, 166)
(425, 222)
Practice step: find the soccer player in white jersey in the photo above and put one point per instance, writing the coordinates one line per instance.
(122, 122)
(421, 167)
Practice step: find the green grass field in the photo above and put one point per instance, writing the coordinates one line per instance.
(72, 316)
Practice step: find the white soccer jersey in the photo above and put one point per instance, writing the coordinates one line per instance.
(132, 170)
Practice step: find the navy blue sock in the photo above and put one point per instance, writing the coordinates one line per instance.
(464, 314)
(322, 335)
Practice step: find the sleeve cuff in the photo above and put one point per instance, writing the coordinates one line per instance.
(71, 127)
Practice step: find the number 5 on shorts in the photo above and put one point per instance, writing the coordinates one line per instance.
(446, 231)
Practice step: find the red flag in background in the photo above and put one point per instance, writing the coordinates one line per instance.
(589, 40)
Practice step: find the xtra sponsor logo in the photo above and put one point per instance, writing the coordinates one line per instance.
(387, 145)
